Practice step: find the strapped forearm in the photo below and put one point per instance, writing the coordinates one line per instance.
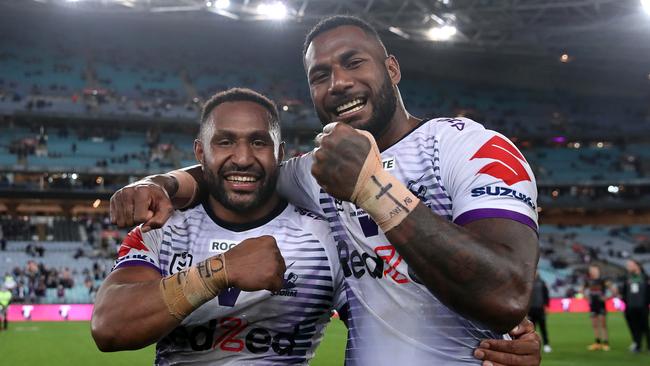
(380, 194)
(184, 186)
(190, 288)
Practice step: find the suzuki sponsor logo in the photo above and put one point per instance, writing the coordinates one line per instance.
(509, 163)
(503, 192)
(134, 257)
(221, 245)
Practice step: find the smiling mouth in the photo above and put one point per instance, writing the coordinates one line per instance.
(351, 106)
(241, 179)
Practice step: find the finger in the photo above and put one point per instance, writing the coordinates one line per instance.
(518, 347)
(501, 358)
(318, 139)
(162, 211)
(526, 326)
(119, 208)
(142, 207)
(127, 211)
(329, 127)
(490, 363)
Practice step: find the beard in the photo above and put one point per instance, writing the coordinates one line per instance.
(384, 107)
(246, 201)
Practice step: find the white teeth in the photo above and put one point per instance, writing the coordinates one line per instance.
(351, 110)
(349, 104)
(238, 178)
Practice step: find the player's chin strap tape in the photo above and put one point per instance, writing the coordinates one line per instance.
(190, 288)
(187, 189)
(379, 193)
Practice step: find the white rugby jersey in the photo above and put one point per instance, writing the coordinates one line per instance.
(239, 327)
(463, 172)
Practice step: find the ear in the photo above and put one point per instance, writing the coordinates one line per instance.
(198, 150)
(393, 69)
(281, 152)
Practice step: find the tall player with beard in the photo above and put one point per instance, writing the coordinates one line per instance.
(433, 218)
(235, 321)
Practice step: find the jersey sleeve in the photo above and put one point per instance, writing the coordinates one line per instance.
(140, 249)
(485, 175)
(297, 185)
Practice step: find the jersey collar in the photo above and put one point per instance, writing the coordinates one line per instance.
(247, 225)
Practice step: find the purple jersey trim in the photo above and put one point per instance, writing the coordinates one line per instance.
(491, 213)
(136, 263)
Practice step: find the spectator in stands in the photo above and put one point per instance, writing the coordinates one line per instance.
(60, 293)
(635, 291)
(5, 299)
(3, 244)
(537, 313)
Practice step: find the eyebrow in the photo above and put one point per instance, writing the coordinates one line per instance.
(256, 134)
(343, 57)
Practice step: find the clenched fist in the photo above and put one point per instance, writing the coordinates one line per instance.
(144, 202)
(255, 264)
(339, 159)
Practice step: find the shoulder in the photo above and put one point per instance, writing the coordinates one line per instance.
(306, 221)
(453, 126)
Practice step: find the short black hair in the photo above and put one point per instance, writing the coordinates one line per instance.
(336, 21)
(243, 95)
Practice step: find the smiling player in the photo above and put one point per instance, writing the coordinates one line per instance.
(435, 220)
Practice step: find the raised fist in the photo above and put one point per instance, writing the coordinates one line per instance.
(255, 264)
(143, 202)
(339, 159)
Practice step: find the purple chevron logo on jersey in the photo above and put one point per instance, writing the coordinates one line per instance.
(509, 164)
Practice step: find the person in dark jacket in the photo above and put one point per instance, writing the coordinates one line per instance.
(537, 313)
(635, 291)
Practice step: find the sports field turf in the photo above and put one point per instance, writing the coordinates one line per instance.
(71, 344)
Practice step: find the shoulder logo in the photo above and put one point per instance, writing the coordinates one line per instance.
(509, 164)
(133, 240)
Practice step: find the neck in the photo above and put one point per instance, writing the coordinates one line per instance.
(244, 217)
(400, 125)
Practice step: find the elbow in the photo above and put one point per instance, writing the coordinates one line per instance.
(511, 310)
(104, 336)
(510, 315)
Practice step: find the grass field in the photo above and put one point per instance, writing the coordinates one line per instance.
(71, 344)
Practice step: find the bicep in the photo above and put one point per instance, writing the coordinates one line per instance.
(519, 239)
(130, 275)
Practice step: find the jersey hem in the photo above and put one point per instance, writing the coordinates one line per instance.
(491, 213)
(136, 263)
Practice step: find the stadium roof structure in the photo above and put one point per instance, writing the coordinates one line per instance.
(600, 29)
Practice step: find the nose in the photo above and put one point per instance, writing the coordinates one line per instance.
(243, 155)
(341, 81)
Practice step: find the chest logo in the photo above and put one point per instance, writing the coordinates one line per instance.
(180, 261)
(221, 245)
